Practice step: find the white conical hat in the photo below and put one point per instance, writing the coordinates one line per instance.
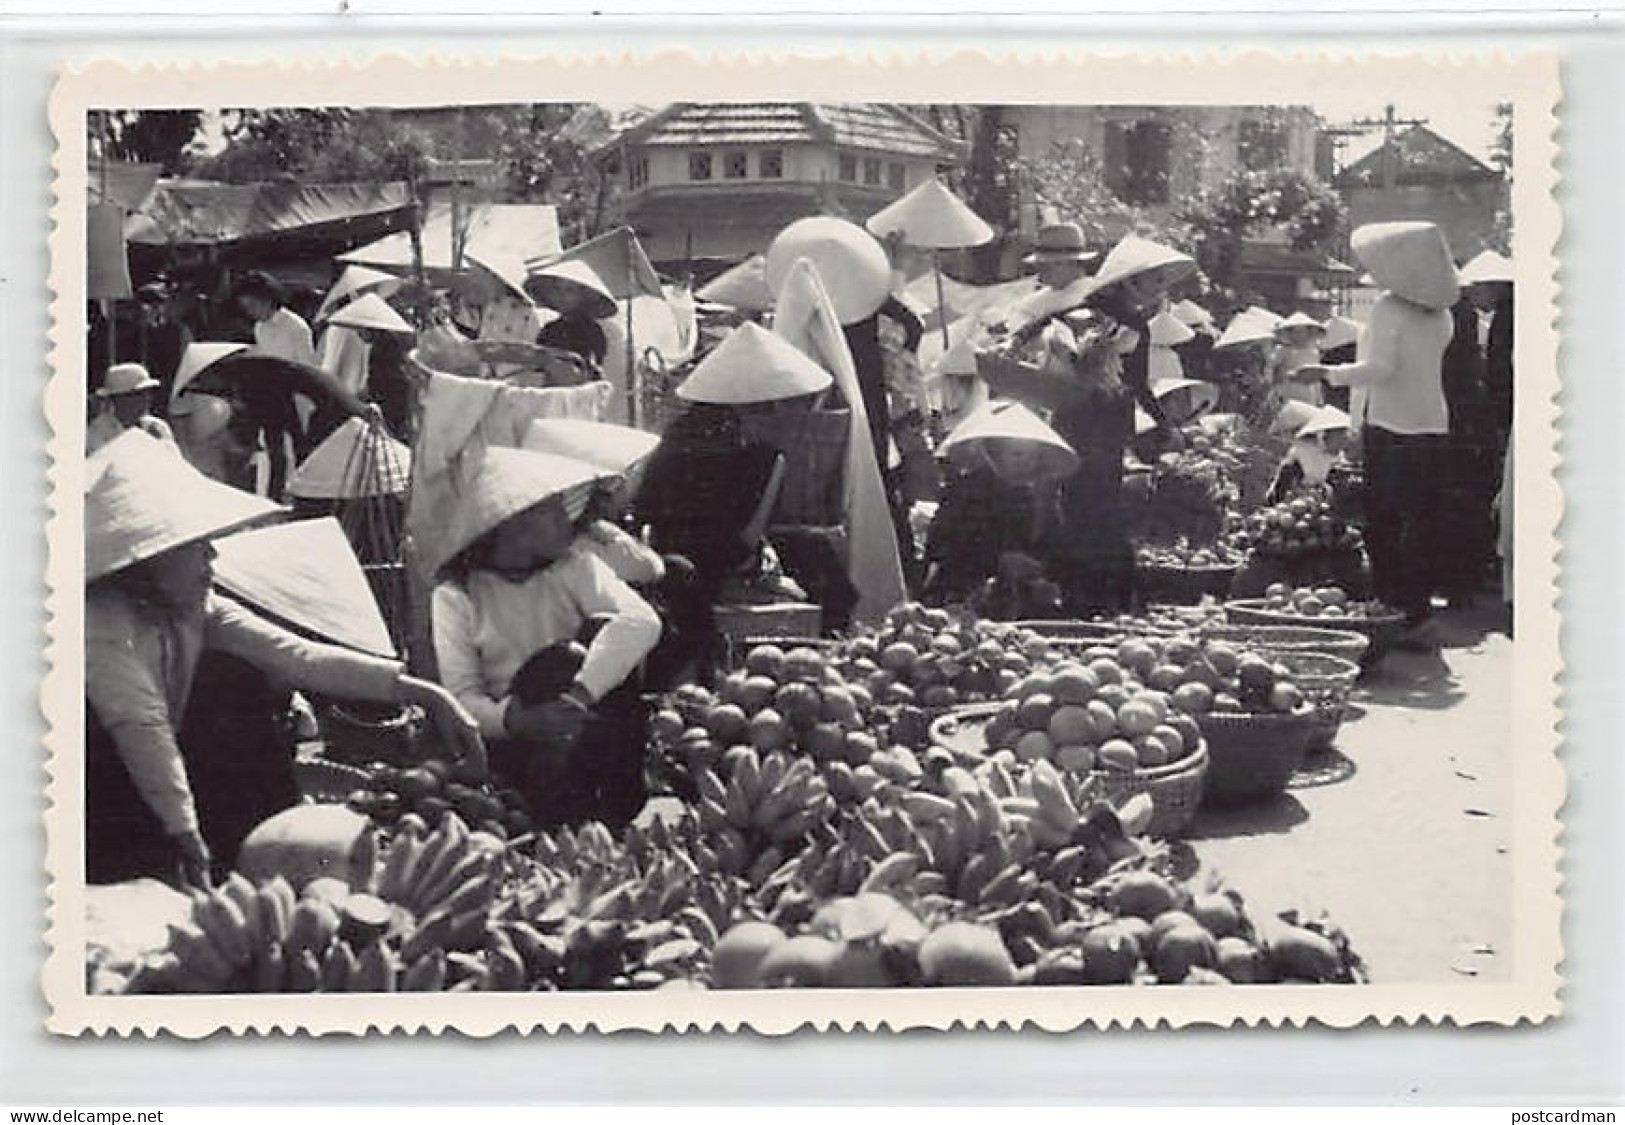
(1294, 416)
(1409, 259)
(959, 359)
(1008, 420)
(1488, 266)
(1191, 314)
(1168, 331)
(1299, 320)
(1340, 332)
(932, 217)
(1324, 419)
(1249, 326)
(613, 449)
(195, 359)
(356, 460)
(1134, 256)
(370, 311)
(742, 287)
(1205, 394)
(354, 281)
(306, 573)
(1143, 422)
(496, 484)
(144, 499)
(753, 365)
(568, 282)
(851, 263)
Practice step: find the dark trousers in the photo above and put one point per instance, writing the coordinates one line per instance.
(1403, 504)
(599, 778)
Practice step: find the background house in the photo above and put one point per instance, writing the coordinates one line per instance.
(1417, 174)
(707, 184)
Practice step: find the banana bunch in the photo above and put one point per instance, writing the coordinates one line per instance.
(243, 938)
(767, 806)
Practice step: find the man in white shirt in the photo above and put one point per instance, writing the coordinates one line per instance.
(281, 333)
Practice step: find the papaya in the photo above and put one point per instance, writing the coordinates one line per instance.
(309, 842)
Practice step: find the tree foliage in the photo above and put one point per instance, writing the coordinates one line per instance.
(1249, 204)
(146, 136)
(317, 145)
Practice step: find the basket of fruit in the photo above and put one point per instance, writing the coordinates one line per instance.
(360, 732)
(1325, 606)
(1326, 682)
(1287, 639)
(1176, 789)
(1252, 755)
(1184, 575)
(326, 782)
(1304, 525)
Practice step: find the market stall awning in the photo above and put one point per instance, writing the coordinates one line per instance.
(205, 213)
(128, 185)
(498, 236)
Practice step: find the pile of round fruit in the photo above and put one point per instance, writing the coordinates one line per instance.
(433, 788)
(1321, 602)
(1306, 524)
(1183, 555)
(1135, 705)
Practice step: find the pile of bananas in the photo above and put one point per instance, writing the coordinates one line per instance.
(769, 804)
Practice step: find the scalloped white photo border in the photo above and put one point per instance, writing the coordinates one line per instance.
(1529, 80)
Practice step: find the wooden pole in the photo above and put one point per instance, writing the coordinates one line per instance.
(942, 304)
(634, 378)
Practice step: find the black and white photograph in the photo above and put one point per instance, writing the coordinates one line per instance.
(701, 548)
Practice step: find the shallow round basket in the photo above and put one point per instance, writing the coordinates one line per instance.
(1082, 634)
(1288, 639)
(1184, 585)
(1380, 630)
(351, 737)
(327, 782)
(1326, 681)
(959, 730)
(1253, 756)
(1176, 790)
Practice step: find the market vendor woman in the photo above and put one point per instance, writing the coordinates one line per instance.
(564, 724)
(150, 614)
(996, 515)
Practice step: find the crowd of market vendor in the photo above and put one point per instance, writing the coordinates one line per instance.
(576, 564)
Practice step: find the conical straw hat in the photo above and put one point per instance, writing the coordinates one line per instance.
(1324, 419)
(497, 484)
(356, 460)
(354, 281)
(1191, 314)
(1206, 395)
(932, 217)
(1488, 266)
(1409, 259)
(1134, 257)
(614, 450)
(753, 365)
(1168, 331)
(1293, 417)
(1299, 320)
(1007, 420)
(562, 285)
(1143, 422)
(742, 287)
(959, 359)
(370, 311)
(194, 360)
(1249, 326)
(144, 499)
(1340, 332)
(305, 573)
(851, 263)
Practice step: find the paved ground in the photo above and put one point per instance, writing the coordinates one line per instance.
(1409, 850)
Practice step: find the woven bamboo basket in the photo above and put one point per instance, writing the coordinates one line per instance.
(1381, 630)
(1288, 639)
(1253, 756)
(1326, 681)
(327, 782)
(1176, 790)
(1183, 585)
(781, 620)
(353, 735)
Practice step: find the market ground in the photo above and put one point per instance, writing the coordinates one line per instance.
(1406, 839)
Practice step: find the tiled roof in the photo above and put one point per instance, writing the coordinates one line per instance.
(1423, 157)
(861, 125)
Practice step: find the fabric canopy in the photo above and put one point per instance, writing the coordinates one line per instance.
(617, 257)
(204, 213)
(805, 317)
(498, 236)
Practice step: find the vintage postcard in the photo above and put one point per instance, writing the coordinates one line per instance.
(912, 542)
